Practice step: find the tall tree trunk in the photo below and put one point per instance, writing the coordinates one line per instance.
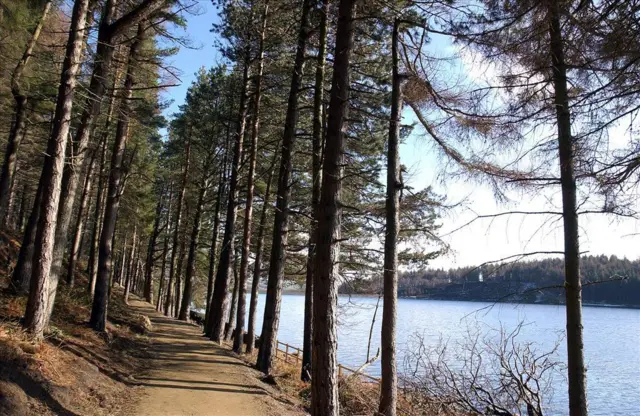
(134, 275)
(112, 276)
(257, 264)
(107, 34)
(135, 287)
(21, 277)
(148, 272)
(220, 298)
(98, 319)
(165, 251)
(98, 213)
(82, 250)
(269, 335)
(178, 220)
(71, 176)
(140, 276)
(214, 244)
(11, 155)
(389, 385)
(36, 315)
(222, 189)
(193, 251)
(23, 207)
(120, 271)
(100, 202)
(318, 98)
(163, 273)
(248, 212)
(7, 221)
(74, 253)
(129, 280)
(20, 116)
(233, 309)
(117, 270)
(573, 287)
(137, 276)
(131, 271)
(179, 270)
(324, 389)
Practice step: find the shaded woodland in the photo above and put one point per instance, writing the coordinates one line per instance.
(283, 162)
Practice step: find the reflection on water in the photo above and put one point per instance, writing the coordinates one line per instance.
(612, 339)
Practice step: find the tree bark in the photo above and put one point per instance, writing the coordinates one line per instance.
(7, 221)
(257, 264)
(100, 202)
(318, 98)
(74, 253)
(82, 250)
(193, 250)
(20, 116)
(21, 276)
(233, 309)
(129, 279)
(178, 279)
(222, 188)
(165, 251)
(137, 276)
(121, 270)
(389, 384)
(176, 231)
(140, 276)
(220, 298)
(148, 272)
(23, 207)
(112, 276)
(117, 271)
(163, 272)
(269, 335)
(248, 212)
(36, 315)
(71, 174)
(98, 319)
(573, 285)
(107, 34)
(324, 389)
(214, 243)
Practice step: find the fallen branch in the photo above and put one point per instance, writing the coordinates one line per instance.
(367, 363)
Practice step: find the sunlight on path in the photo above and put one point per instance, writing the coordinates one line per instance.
(190, 375)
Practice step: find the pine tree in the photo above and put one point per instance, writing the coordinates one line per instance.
(269, 335)
(36, 315)
(324, 389)
(100, 300)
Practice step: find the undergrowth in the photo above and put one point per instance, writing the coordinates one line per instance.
(75, 370)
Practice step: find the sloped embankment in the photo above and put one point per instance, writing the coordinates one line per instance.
(75, 371)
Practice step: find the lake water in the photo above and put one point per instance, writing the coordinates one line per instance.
(612, 340)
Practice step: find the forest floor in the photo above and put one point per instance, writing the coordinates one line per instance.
(145, 364)
(190, 375)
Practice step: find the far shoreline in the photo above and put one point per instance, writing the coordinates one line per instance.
(301, 292)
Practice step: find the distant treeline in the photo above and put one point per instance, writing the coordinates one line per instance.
(606, 281)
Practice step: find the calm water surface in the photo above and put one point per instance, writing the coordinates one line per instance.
(612, 340)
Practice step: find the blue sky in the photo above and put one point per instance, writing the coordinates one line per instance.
(483, 241)
(189, 60)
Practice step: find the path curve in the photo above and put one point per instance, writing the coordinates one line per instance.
(190, 375)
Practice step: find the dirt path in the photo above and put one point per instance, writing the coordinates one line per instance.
(190, 375)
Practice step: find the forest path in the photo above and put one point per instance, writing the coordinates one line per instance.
(191, 375)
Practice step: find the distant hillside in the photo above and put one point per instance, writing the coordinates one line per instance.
(606, 281)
